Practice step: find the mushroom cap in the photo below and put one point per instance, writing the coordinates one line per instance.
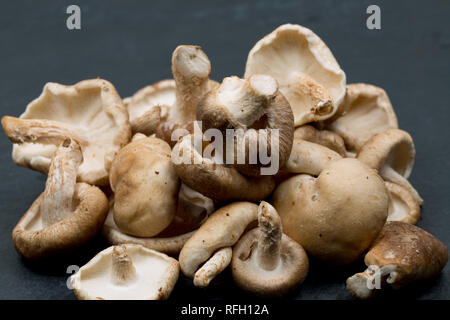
(170, 245)
(415, 253)
(222, 229)
(156, 276)
(337, 215)
(402, 205)
(392, 147)
(253, 103)
(32, 240)
(306, 70)
(325, 138)
(248, 274)
(146, 187)
(216, 181)
(90, 112)
(142, 104)
(366, 111)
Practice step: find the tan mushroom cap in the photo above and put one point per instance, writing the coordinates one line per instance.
(66, 215)
(256, 108)
(89, 112)
(392, 153)
(149, 106)
(170, 245)
(309, 157)
(337, 215)
(126, 272)
(366, 111)
(402, 205)
(404, 254)
(222, 230)
(146, 187)
(214, 180)
(325, 138)
(265, 261)
(306, 70)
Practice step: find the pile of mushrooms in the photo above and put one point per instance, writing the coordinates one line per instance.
(339, 192)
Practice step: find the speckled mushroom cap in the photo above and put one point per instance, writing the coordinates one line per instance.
(256, 108)
(146, 187)
(366, 111)
(337, 215)
(126, 272)
(89, 112)
(402, 205)
(216, 181)
(306, 70)
(66, 215)
(392, 153)
(404, 253)
(265, 261)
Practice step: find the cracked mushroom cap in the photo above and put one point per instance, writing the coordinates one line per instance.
(265, 261)
(366, 111)
(392, 153)
(145, 187)
(214, 180)
(66, 215)
(306, 70)
(126, 272)
(205, 254)
(402, 205)
(257, 108)
(89, 112)
(404, 254)
(337, 215)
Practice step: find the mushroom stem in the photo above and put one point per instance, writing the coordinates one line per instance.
(57, 201)
(191, 69)
(123, 269)
(215, 265)
(30, 130)
(391, 175)
(363, 285)
(270, 232)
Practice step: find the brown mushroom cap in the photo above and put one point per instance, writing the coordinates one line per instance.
(402, 205)
(392, 153)
(337, 215)
(146, 187)
(89, 112)
(256, 107)
(126, 272)
(265, 261)
(66, 215)
(366, 111)
(214, 180)
(306, 70)
(325, 138)
(404, 253)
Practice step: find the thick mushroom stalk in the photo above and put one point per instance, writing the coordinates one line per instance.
(262, 120)
(123, 269)
(392, 153)
(57, 204)
(66, 214)
(402, 254)
(214, 266)
(265, 261)
(171, 104)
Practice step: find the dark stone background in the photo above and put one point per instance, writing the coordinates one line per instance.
(130, 43)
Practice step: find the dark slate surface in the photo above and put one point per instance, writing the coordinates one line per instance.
(130, 43)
